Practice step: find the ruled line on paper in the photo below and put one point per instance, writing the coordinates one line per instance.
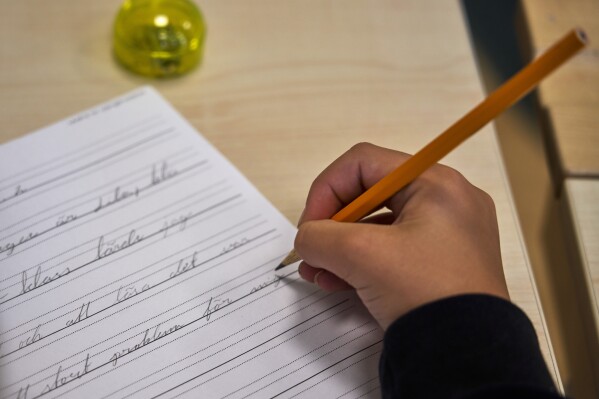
(123, 230)
(84, 151)
(260, 345)
(263, 343)
(92, 270)
(135, 258)
(118, 196)
(312, 354)
(138, 175)
(333, 365)
(205, 316)
(371, 381)
(129, 292)
(320, 294)
(377, 353)
(78, 299)
(105, 249)
(96, 162)
(27, 193)
(177, 306)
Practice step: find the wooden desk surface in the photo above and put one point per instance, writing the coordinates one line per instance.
(583, 199)
(571, 95)
(285, 87)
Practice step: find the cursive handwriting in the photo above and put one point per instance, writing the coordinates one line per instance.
(161, 174)
(33, 338)
(22, 394)
(61, 379)
(147, 339)
(214, 305)
(9, 248)
(185, 265)
(117, 196)
(110, 247)
(82, 315)
(18, 191)
(180, 221)
(65, 219)
(234, 245)
(274, 281)
(124, 293)
(38, 281)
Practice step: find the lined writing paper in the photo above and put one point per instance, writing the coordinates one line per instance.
(136, 262)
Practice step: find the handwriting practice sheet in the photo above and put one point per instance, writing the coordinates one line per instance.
(137, 262)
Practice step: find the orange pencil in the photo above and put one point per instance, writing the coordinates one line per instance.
(501, 99)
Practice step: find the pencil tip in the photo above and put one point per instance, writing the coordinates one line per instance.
(292, 257)
(282, 265)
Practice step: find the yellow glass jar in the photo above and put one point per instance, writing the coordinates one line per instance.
(159, 38)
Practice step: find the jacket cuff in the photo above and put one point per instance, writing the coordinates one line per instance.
(458, 346)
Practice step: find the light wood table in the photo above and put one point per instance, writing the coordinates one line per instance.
(571, 96)
(582, 207)
(285, 88)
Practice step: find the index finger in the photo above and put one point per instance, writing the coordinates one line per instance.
(347, 177)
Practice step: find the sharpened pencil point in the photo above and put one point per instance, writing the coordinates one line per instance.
(280, 267)
(289, 259)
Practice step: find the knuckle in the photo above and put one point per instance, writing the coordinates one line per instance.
(450, 177)
(361, 148)
(315, 186)
(487, 201)
(452, 184)
(449, 189)
(318, 188)
(301, 238)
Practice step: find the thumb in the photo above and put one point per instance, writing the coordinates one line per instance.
(344, 249)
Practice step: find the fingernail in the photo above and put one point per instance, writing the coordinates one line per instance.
(316, 277)
(300, 269)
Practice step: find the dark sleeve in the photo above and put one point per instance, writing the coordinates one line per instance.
(469, 346)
